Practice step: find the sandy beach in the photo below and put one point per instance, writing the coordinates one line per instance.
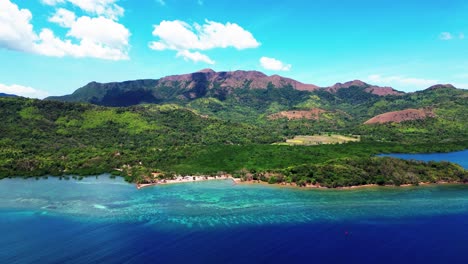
(187, 179)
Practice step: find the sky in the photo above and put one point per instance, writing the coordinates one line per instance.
(53, 47)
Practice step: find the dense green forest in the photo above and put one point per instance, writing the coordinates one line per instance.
(232, 133)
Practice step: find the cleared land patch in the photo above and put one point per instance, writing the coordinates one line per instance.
(320, 140)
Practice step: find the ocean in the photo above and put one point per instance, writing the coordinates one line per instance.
(104, 220)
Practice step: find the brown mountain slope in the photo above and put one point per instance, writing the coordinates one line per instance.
(401, 116)
(234, 79)
(373, 89)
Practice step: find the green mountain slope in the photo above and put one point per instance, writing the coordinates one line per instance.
(201, 124)
(39, 137)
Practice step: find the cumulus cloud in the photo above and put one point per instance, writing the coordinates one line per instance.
(185, 38)
(274, 64)
(22, 91)
(98, 37)
(401, 80)
(107, 8)
(100, 30)
(16, 33)
(63, 17)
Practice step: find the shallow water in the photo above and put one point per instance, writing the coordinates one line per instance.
(108, 220)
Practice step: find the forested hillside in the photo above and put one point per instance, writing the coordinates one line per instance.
(200, 126)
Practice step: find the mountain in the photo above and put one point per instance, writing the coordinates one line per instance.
(235, 79)
(7, 95)
(202, 84)
(441, 86)
(275, 102)
(377, 90)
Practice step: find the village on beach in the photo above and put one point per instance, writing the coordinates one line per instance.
(184, 179)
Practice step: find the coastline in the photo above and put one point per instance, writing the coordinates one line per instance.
(354, 187)
(187, 179)
(191, 179)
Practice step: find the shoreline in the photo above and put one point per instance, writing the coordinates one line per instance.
(354, 187)
(191, 179)
(187, 179)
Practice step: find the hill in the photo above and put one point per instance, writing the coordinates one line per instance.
(59, 138)
(7, 95)
(401, 116)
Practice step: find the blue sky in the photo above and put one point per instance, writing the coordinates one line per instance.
(52, 47)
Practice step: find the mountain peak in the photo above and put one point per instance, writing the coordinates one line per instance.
(440, 86)
(357, 83)
(207, 70)
(373, 89)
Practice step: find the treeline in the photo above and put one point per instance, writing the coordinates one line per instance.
(375, 170)
(54, 138)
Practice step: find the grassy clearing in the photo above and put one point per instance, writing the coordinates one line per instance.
(320, 140)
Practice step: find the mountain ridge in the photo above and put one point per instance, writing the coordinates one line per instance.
(203, 83)
(8, 95)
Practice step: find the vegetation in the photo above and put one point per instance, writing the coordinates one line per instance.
(376, 170)
(320, 139)
(230, 132)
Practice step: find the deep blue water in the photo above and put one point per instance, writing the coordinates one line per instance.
(44, 239)
(103, 220)
(459, 157)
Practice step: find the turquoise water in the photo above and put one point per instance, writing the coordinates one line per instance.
(103, 220)
(222, 203)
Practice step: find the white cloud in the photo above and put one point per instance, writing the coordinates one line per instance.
(63, 17)
(106, 8)
(16, 33)
(98, 37)
(161, 2)
(100, 30)
(50, 45)
(461, 85)
(194, 56)
(461, 36)
(22, 91)
(184, 38)
(274, 64)
(401, 81)
(52, 2)
(445, 36)
(200, 2)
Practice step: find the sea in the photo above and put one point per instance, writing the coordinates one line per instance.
(105, 220)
